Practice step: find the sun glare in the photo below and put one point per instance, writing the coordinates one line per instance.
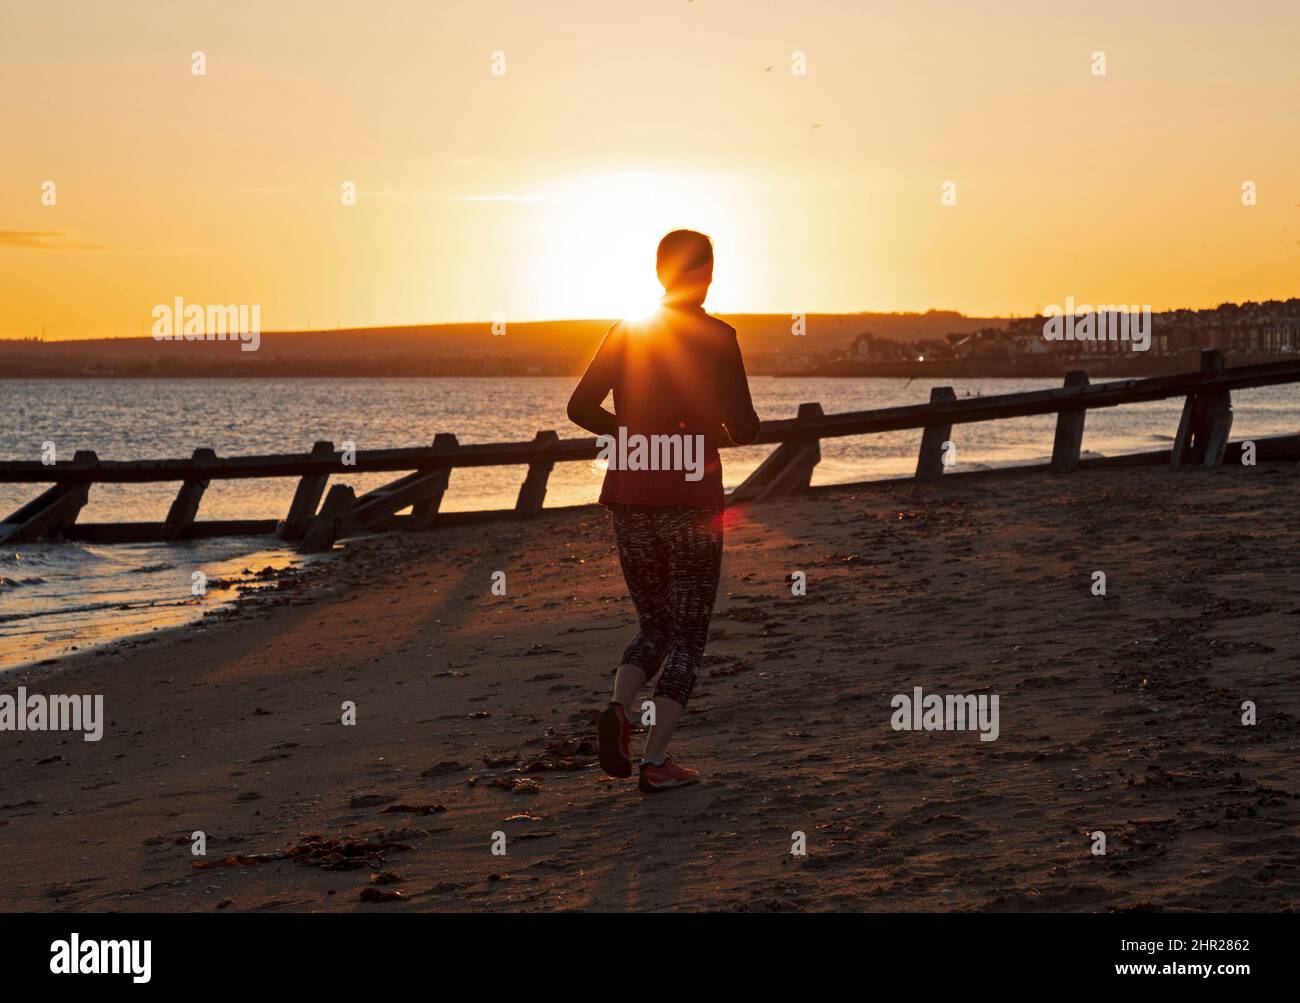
(596, 239)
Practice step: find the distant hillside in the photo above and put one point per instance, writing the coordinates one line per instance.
(549, 347)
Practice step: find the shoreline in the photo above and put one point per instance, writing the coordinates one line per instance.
(474, 717)
(1275, 448)
(471, 517)
(224, 588)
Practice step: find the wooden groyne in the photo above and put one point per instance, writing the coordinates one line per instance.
(316, 519)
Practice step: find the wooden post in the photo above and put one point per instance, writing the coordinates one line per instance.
(327, 526)
(788, 469)
(1182, 448)
(1218, 420)
(306, 498)
(186, 504)
(51, 512)
(424, 513)
(533, 491)
(929, 463)
(1206, 421)
(1069, 428)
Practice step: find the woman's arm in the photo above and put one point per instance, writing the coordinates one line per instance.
(738, 414)
(585, 408)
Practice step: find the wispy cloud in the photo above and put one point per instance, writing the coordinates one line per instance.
(46, 240)
(499, 198)
(261, 190)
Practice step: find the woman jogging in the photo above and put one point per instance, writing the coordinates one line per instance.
(679, 387)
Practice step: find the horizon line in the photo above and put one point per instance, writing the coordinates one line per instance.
(610, 319)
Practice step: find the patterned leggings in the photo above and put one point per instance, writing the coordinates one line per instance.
(671, 559)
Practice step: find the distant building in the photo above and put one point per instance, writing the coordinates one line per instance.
(868, 347)
(1271, 328)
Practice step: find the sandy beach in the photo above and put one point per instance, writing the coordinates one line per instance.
(1120, 713)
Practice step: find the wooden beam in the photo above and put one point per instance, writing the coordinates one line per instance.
(376, 508)
(929, 462)
(46, 514)
(788, 469)
(52, 512)
(1069, 429)
(327, 526)
(1269, 449)
(186, 504)
(533, 491)
(306, 497)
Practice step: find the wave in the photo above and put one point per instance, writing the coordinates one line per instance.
(149, 569)
(17, 583)
(51, 554)
(93, 607)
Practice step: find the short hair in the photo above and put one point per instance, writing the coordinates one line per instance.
(680, 252)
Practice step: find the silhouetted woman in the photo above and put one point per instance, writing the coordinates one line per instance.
(679, 387)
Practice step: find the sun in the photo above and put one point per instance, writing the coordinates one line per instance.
(639, 305)
(593, 251)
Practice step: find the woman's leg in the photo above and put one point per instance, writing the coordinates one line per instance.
(646, 570)
(693, 539)
(667, 713)
(627, 683)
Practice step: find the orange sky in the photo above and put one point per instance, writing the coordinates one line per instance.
(540, 193)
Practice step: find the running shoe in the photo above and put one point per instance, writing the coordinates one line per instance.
(655, 778)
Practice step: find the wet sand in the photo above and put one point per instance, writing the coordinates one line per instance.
(474, 714)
